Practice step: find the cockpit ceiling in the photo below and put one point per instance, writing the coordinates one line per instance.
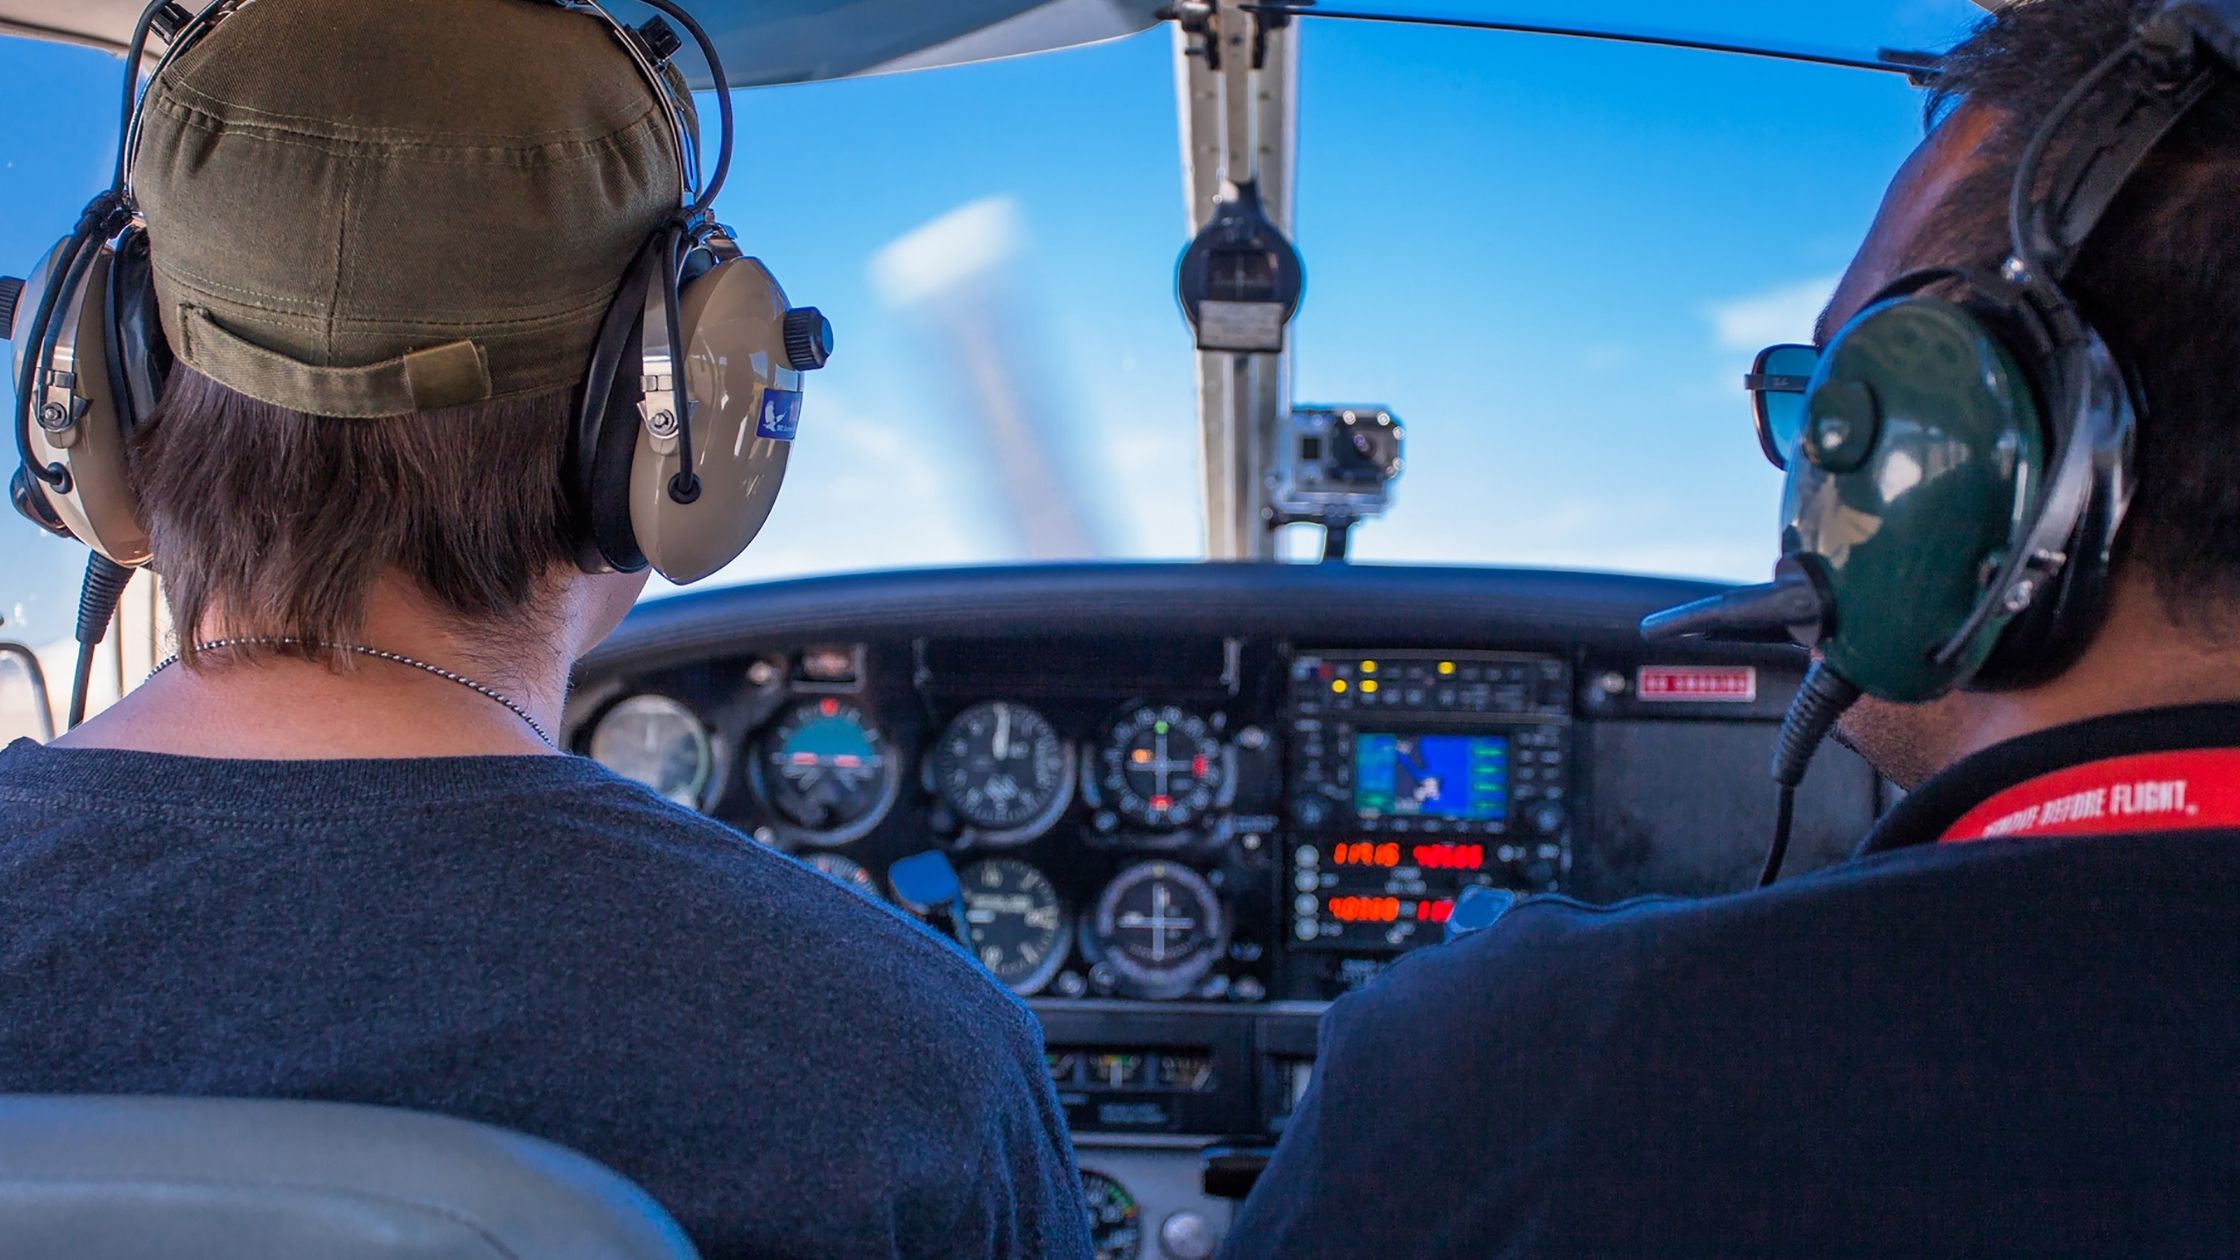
(761, 41)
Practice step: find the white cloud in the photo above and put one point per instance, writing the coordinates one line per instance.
(1783, 313)
(937, 255)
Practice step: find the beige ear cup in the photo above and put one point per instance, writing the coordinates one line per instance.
(75, 421)
(746, 400)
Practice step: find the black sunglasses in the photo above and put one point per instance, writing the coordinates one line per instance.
(1777, 383)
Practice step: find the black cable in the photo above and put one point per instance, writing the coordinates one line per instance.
(1784, 817)
(684, 485)
(134, 51)
(97, 604)
(44, 333)
(1918, 67)
(714, 185)
(1820, 700)
(80, 683)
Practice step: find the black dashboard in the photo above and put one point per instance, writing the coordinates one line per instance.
(1180, 808)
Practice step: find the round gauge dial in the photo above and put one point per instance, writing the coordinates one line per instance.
(826, 769)
(1115, 1220)
(1004, 770)
(1162, 767)
(660, 743)
(840, 870)
(1161, 926)
(1017, 924)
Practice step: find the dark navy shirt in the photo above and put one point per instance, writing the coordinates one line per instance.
(533, 942)
(2025, 1047)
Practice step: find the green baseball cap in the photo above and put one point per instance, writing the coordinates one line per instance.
(374, 207)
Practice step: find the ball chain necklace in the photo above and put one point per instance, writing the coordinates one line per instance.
(209, 645)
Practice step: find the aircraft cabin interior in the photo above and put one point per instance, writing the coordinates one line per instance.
(1319, 710)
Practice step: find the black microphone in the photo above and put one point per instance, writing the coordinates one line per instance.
(1789, 609)
(1793, 607)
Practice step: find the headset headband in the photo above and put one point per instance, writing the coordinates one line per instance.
(2156, 78)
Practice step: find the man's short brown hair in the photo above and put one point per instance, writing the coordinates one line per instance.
(269, 522)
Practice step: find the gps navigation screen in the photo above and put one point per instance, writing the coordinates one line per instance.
(1460, 777)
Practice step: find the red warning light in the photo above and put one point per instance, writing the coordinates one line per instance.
(1161, 804)
(1198, 766)
(828, 706)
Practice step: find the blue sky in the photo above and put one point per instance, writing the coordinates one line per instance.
(1551, 259)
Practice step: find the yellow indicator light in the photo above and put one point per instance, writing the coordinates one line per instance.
(1338, 686)
(1446, 667)
(1140, 755)
(1368, 667)
(1368, 686)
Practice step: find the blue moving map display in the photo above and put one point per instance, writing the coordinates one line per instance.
(1462, 777)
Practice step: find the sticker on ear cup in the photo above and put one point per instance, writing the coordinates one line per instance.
(781, 414)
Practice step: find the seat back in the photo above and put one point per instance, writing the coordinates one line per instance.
(135, 1178)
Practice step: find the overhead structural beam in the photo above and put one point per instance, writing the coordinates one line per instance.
(1236, 85)
(1920, 67)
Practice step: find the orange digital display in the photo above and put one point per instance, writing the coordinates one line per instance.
(1388, 854)
(1450, 857)
(1361, 909)
(1365, 909)
(1366, 853)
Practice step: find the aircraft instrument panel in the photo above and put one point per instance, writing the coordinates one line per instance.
(1186, 807)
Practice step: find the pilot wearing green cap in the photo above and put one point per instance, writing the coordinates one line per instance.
(332, 853)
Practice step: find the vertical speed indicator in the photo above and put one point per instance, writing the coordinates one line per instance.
(1017, 923)
(1162, 767)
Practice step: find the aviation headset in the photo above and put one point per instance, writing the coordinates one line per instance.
(676, 469)
(1964, 462)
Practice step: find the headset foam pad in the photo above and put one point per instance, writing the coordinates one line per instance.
(606, 432)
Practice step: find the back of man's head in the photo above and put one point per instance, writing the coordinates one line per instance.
(383, 236)
(2160, 279)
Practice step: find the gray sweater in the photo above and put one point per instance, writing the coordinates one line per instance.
(536, 943)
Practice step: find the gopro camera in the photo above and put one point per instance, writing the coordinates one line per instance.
(1338, 461)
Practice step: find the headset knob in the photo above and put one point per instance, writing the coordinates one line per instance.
(11, 290)
(808, 338)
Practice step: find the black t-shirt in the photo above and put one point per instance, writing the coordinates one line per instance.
(530, 941)
(2023, 1047)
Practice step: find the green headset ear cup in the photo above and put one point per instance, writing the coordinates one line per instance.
(1905, 531)
(2047, 637)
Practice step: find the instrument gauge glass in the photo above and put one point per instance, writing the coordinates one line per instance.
(1161, 926)
(825, 769)
(842, 871)
(658, 742)
(1115, 1218)
(1004, 770)
(1162, 767)
(1017, 923)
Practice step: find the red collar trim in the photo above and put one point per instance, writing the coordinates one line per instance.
(2194, 790)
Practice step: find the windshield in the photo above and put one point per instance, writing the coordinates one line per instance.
(1550, 259)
